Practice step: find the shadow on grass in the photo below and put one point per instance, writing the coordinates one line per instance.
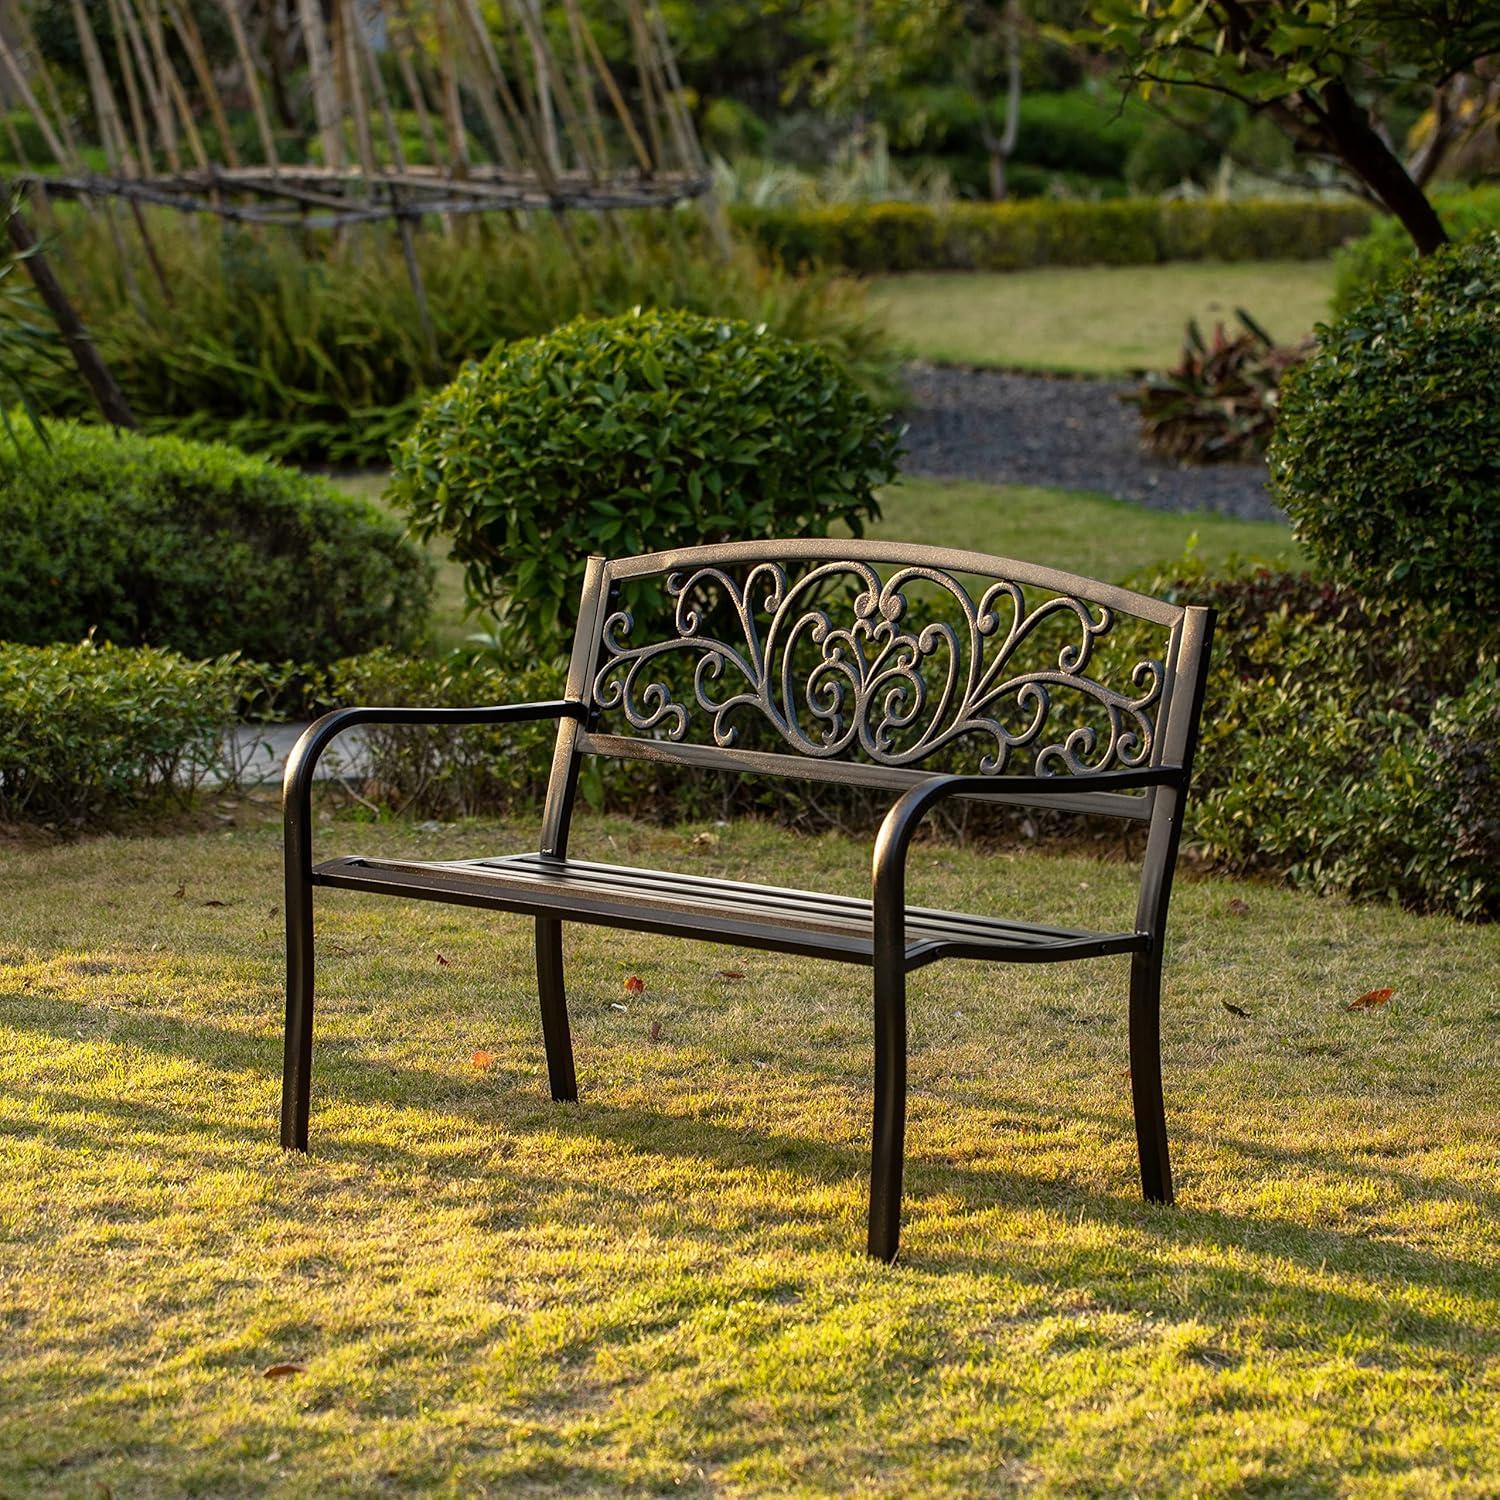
(1163, 1243)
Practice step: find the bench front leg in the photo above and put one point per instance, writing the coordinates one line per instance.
(296, 1072)
(888, 1148)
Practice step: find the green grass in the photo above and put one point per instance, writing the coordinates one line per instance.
(1093, 320)
(1088, 534)
(660, 1289)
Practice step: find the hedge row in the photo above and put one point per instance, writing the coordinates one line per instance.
(1014, 236)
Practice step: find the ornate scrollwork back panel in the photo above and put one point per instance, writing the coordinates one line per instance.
(900, 666)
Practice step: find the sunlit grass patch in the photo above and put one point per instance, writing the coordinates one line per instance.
(662, 1288)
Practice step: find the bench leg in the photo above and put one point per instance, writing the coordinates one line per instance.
(556, 1037)
(296, 1070)
(890, 1110)
(1145, 1077)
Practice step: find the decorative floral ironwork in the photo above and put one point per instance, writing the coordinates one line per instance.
(896, 693)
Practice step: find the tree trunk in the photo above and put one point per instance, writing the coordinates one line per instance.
(1349, 132)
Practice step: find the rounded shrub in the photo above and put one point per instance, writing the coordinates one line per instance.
(197, 547)
(1387, 451)
(631, 434)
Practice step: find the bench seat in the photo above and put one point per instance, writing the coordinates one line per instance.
(728, 911)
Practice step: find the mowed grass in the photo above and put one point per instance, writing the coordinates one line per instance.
(661, 1289)
(1094, 320)
(1082, 533)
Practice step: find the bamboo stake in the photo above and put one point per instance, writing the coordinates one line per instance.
(453, 119)
(325, 97)
(412, 83)
(622, 110)
(132, 89)
(404, 230)
(252, 83)
(106, 390)
(192, 41)
(23, 87)
(586, 82)
(691, 148)
(106, 111)
(572, 119)
(469, 17)
(156, 85)
(54, 101)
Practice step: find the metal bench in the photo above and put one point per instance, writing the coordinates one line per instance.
(925, 672)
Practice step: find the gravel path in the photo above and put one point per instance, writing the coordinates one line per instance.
(1068, 434)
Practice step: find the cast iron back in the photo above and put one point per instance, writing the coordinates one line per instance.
(879, 664)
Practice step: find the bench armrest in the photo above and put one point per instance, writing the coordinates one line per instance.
(905, 816)
(296, 793)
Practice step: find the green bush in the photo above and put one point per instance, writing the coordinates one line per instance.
(196, 547)
(317, 354)
(632, 434)
(440, 772)
(1376, 260)
(1347, 746)
(1387, 451)
(882, 237)
(89, 732)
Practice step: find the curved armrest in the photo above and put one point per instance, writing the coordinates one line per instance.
(902, 821)
(296, 793)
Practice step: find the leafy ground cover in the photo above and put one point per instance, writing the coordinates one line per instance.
(467, 1288)
(1093, 320)
(1089, 534)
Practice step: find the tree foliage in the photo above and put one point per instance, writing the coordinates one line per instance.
(1320, 68)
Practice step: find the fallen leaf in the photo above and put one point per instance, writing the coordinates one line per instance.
(280, 1372)
(730, 974)
(1235, 1010)
(213, 903)
(181, 890)
(482, 1059)
(443, 962)
(656, 1031)
(1370, 1000)
(1238, 907)
(634, 985)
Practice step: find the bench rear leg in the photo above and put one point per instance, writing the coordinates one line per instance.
(296, 1070)
(1145, 1077)
(556, 1036)
(890, 1110)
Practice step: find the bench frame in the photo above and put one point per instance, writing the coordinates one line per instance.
(1153, 792)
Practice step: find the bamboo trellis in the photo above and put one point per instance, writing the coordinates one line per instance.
(513, 113)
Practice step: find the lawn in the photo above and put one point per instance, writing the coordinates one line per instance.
(1089, 534)
(660, 1289)
(1094, 320)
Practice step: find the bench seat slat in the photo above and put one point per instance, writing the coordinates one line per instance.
(811, 922)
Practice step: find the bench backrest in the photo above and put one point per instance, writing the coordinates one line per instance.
(877, 664)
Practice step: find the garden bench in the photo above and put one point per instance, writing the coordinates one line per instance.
(926, 672)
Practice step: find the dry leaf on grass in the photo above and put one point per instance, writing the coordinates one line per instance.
(1238, 907)
(1235, 1010)
(634, 985)
(729, 974)
(656, 1031)
(482, 1059)
(1370, 1000)
(280, 1372)
(443, 962)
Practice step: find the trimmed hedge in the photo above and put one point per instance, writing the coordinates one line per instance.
(88, 732)
(655, 429)
(881, 237)
(197, 547)
(1386, 454)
